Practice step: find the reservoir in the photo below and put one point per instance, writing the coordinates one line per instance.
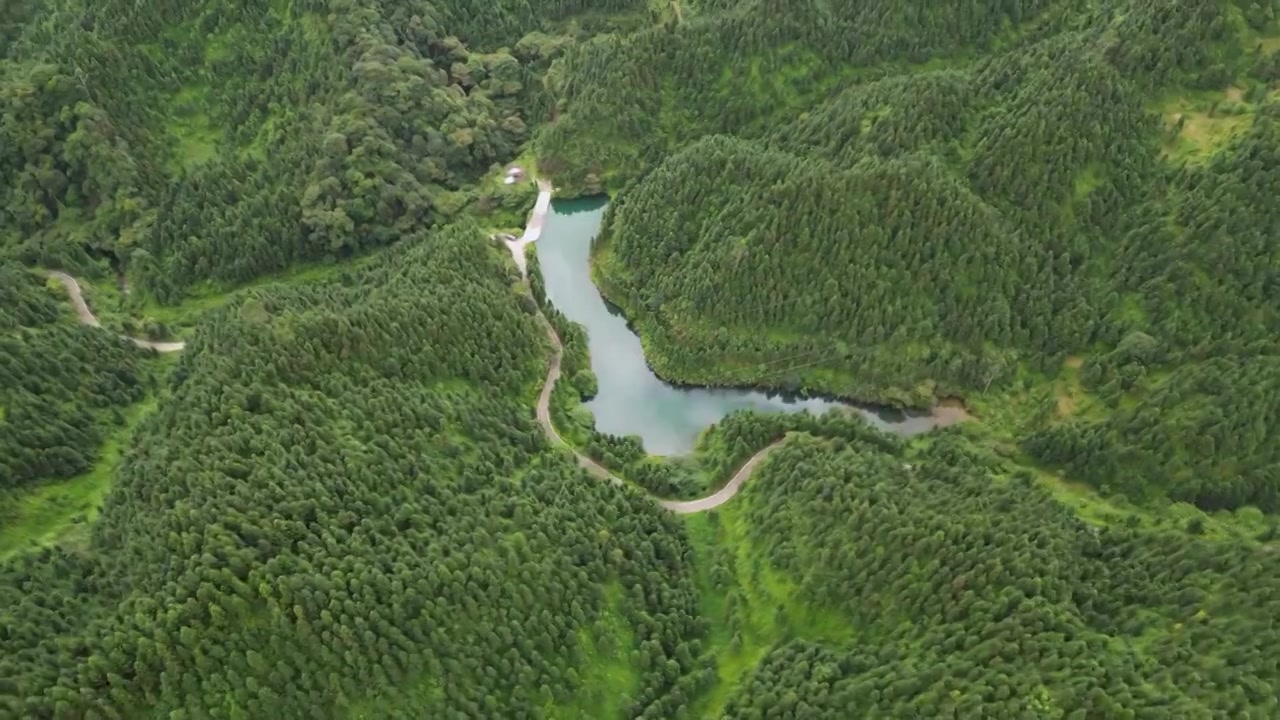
(631, 399)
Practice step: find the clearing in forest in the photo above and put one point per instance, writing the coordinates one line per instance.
(1201, 123)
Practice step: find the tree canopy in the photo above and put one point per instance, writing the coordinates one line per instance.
(338, 502)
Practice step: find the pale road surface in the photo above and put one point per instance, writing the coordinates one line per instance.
(87, 318)
(543, 410)
(533, 230)
(681, 507)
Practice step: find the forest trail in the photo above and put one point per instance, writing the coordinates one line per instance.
(543, 409)
(724, 494)
(87, 317)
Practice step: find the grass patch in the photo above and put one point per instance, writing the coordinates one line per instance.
(60, 512)
(195, 135)
(773, 81)
(609, 677)
(1087, 181)
(1202, 133)
(1070, 395)
(1199, 123)
(1094, 508)
(112, 308)
(208, 296)
(751, 607)
(1036, 398)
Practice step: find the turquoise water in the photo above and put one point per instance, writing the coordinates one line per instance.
(632, 400)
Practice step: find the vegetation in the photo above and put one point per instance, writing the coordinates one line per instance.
(933, 231)
(193, 142)
(344, 501)
(976, 596)
(338, 502)
(1200, 436)
(65, 384)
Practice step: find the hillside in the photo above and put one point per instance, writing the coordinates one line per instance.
(345, 504)
(65, 384)
(366, 485)
(973, 596)
(199, 143)
(963, 229)
(341, 505)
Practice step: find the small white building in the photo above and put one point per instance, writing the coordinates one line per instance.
(514, 175)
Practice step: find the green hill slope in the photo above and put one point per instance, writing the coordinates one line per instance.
(339, 501)
(1083, 175)
(64, 384)
(973, 598)
(198, 142)
(346, 509)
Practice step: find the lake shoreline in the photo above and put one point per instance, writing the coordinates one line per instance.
(944, 406)
(634, 397)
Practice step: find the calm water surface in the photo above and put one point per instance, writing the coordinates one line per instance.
(632, 400)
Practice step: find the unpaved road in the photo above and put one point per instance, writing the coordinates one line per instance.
(87, 318)
(681, 507)
(532, 232)
(533, 229)
(724, 494)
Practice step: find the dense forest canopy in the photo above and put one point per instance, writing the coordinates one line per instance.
(346, 504)
(343, 505)
(1204, 435)
(62, 383)
(205, 141)
(941, 229)
(972, 596)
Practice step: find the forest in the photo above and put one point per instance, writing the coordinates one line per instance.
(337, 501)
(943, 229)
(969, 594)
(198, 142)
(343, 506)
(63, 383)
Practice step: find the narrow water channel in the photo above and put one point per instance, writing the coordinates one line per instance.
(632, 400)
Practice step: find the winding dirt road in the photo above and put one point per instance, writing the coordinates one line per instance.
(87, 318)
(680, 507)
(532, 232)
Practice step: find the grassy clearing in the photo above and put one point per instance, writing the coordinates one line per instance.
(1094, 508)
(773, 81)
(609, 677)
(1199, 123)
(60, 512)
(211, 296)
(1068, 393)
(751, 606)
(1087, 181)
(196, 136)
(112, 307)
(1033, 397)
(1203, 132)
(1004, 416)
